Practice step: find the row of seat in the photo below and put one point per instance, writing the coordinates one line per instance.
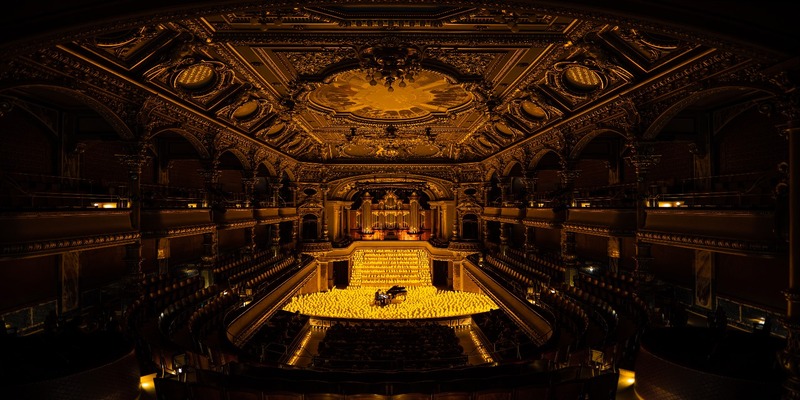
(254, 283)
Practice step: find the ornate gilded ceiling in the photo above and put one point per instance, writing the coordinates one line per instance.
(368, 88)
(383, 84)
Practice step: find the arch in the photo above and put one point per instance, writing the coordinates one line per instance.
(287, 175)
(469, 226)
(240, 156)
(671, 112)
(537, 158)
(202, 151)
(510, 168)
(586, 139)
(264, 166)
(110, 116)
(435, 189)
(490, 173)
(309, 227)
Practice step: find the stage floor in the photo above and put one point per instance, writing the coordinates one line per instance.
(421, 302)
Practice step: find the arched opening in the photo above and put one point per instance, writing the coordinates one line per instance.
(517, 191)
(469, 227)
(309, 228)
(494, 195)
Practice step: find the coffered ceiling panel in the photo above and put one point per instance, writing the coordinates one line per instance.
(385, 83)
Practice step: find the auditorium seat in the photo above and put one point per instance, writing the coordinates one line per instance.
(603, 387)
(366, 396)
(452, 396)
(567, 390)
(324, 396)
(493, 394)
(205, 392)
(169, 389)
(243, 394)
(532, 393)
(283, 396)
(411, 396)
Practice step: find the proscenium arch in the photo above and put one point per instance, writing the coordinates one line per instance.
(658, 124)
(586, 139)
(110, 116)
(338, 185)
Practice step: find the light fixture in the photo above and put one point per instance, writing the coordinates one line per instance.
(389, 63)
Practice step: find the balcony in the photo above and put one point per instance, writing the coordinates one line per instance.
(36, 233)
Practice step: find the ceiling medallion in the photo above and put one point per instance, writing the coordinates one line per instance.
(196, 77)
(389, 63)
(582, 79)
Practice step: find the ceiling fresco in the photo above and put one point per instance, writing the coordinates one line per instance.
(351, 96)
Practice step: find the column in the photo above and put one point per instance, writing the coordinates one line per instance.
(456, 217)
(487, 187)
(791, 354)
(614, 253)
(134, 161)
(366, 213)
(209, 257)
(642, 159)
(337, 222)
(162, 255)
(485, 229)
(276, 237)
(530, 181)
(568, 255)
(503, 237)
(505, 190)
(324, 193)
(249, 184)
(413, 209)
(249, 181)
(275, 188)
(210, 174)
(568, 177)
(530, 242)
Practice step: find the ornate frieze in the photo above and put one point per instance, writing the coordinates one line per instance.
(51, 246)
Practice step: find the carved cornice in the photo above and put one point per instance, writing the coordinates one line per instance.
(360, 39)
(723, 245)
(42, 247)
(237, 224)
(499, 218)
(464, 247)
(315, 247)
(597, 230)
(188, 230)
(541, 223)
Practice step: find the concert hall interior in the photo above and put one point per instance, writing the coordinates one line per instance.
(394, 199)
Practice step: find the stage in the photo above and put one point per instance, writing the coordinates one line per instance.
(421, 302)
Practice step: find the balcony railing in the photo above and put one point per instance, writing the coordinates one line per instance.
(40, 191)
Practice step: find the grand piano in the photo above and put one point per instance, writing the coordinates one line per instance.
(396, 291)
(388, 297)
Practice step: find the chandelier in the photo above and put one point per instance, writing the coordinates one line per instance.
(390, 63)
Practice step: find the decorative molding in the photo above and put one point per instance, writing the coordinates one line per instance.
(189, 230)
(43, 247)
(597, 230)
(723, 245)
